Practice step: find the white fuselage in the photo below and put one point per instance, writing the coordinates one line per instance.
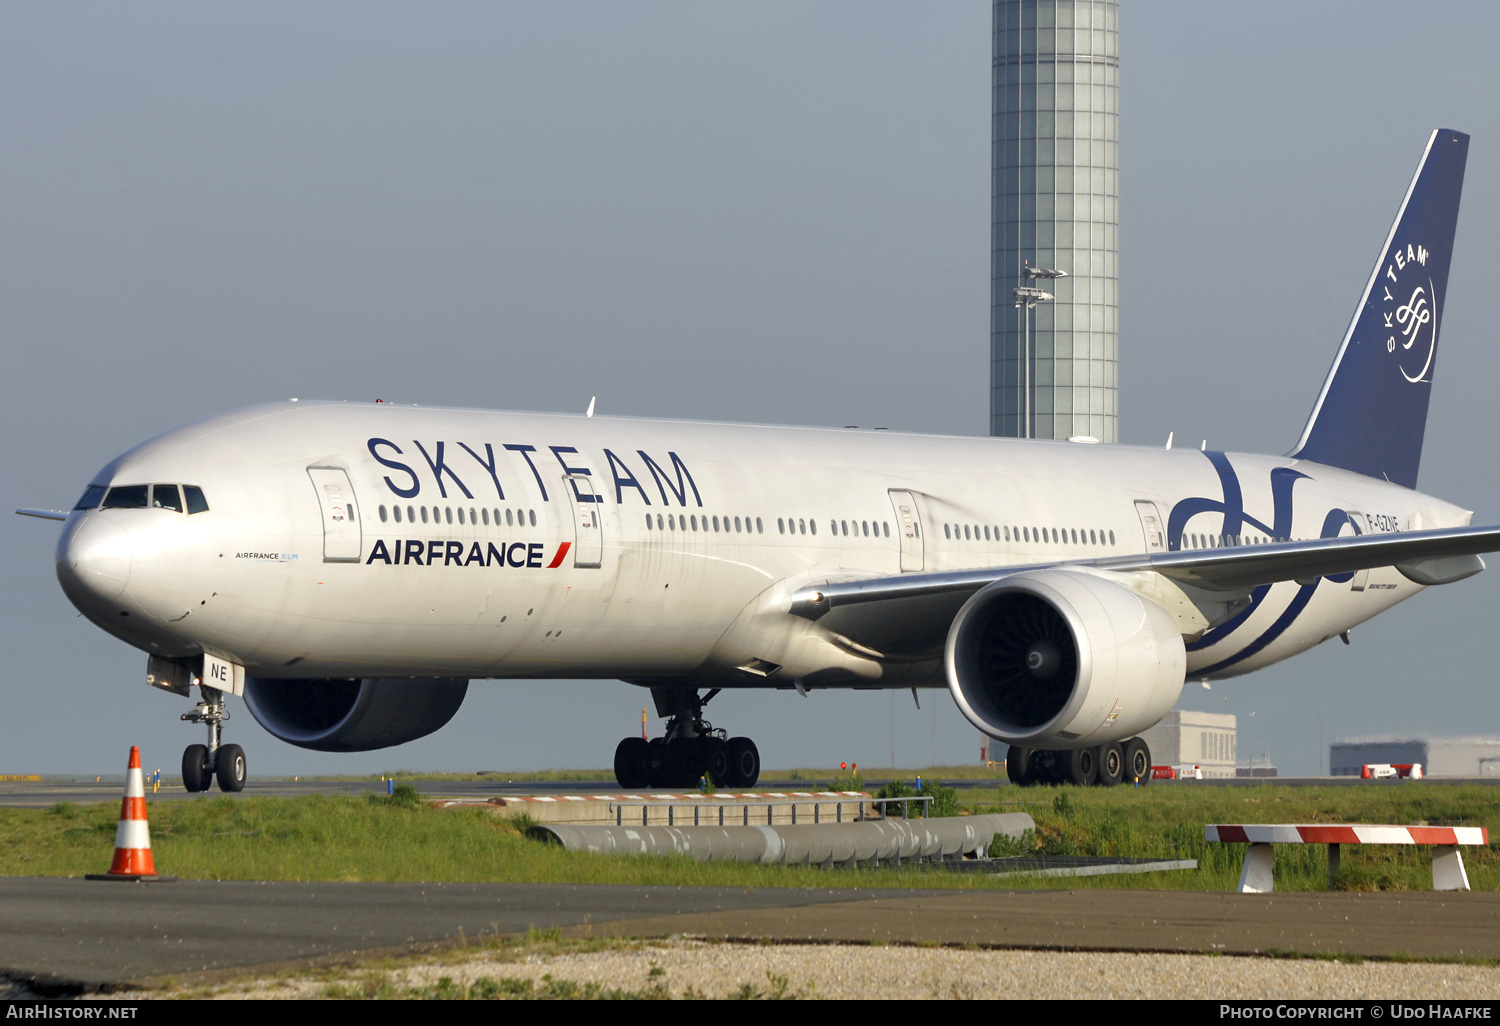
(296, 582)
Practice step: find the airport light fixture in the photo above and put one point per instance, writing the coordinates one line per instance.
(1027, 297)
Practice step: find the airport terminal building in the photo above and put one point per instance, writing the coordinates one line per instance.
(1055, 204)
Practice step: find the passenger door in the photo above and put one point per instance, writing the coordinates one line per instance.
(1152, 528)
(588, 528)
(1357, 521)
(908, 529)
(342, 539)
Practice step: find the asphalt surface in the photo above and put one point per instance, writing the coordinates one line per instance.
(67, 935)
(1372, 925)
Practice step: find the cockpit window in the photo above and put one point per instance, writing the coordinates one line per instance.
(91, 497)
(196, 503)
(166, 496)
(126, 497)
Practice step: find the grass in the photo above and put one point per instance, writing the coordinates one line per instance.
(396, 838)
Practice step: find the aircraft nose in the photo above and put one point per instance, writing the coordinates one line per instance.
(94, 561)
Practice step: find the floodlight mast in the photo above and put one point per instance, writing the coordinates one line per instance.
(1026, 297)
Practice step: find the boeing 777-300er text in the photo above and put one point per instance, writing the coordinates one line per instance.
(349, 568)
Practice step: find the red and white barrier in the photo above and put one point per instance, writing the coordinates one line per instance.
(1390, 771)
(1448, 873)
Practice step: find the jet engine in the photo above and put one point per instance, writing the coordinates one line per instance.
(1059, 659)
(353, 715)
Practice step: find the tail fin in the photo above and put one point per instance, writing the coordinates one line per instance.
(1372, 412)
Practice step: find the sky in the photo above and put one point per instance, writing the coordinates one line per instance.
(757, 211)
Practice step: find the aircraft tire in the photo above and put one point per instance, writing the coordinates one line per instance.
(1111, 762)
(1080, 766)
(630, 763)
(229, 767)
(717, 763)
(1137, 761)
(744, 759)
(1018, 765)
(197, 771)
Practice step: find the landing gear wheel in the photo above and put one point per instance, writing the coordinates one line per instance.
(717, 763)
(1111, 764)
(1137, 762)
(1080, 766)
(630, 763)
(197, 770)
(229, 767)
(1018, 765)
(744, 762)
(658, 764)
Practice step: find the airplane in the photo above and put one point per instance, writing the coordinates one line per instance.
(347, 569)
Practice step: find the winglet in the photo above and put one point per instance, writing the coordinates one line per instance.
(1372, 412)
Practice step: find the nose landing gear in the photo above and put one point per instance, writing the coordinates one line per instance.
(201, 763)
(691, 748)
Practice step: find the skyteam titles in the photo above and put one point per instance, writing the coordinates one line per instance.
(672, 480)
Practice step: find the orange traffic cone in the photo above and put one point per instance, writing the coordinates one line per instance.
(133, 837)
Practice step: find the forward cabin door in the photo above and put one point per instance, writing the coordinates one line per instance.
(908, 529)
(588, 529)
(341, 534)
(1152, 528)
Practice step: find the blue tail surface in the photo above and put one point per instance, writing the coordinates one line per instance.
(1372, 412)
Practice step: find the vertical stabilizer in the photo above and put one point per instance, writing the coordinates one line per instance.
(1372, 412)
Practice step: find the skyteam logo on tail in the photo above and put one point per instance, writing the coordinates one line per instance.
(1372, 412)
(1415, 321)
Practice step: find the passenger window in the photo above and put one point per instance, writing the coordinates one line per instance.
(886, 527)
(460, 514)
(449, 512)
(533, 517)
(91, 496)
(128, 497)
(658, 522)
(508, 520)
(382, 514)
(736, 525)
(759, 527)
(802, 526)
(424, 514)
(648, 521)
(948, 531)
(812, 527)
(694, 519)
(166, 496)
(1111, 537)
(396, 511)
(844, 527)
(486, 514)
(411, 514)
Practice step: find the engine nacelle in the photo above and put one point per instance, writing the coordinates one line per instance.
(353, 715)
(1060, 659)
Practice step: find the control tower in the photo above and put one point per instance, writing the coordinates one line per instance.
(1054, 350)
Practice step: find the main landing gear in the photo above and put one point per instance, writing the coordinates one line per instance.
(201, 763)
(691, 748)
(1117, 762)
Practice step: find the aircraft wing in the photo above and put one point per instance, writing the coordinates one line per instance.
(911, 612)
(45, 514)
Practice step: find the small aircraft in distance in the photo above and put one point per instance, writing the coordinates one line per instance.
(349, 568)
